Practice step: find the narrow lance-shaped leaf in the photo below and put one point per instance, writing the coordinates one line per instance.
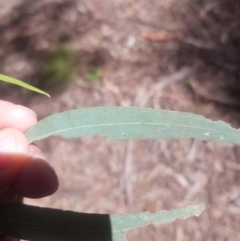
(14, 81)
(132, 123)
(45, 224)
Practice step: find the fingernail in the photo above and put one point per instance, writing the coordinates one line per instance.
(37, 179)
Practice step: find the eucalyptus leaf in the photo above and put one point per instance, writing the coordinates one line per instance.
(45, 224)
(132, 123)
(14, 81)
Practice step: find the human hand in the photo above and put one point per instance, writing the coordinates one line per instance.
(24, 171)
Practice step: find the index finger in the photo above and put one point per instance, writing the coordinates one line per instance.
(16, 116)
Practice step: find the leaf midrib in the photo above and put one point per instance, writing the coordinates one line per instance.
(136, 123)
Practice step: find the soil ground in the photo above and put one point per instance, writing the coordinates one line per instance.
(117, 177)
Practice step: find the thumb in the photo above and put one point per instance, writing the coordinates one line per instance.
(13, 144)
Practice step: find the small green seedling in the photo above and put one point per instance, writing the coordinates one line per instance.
(94, 74)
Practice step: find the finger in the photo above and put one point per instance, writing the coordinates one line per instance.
(16, 116)
(10, 167)
(13, 141)
(37, 178)
(30, 175)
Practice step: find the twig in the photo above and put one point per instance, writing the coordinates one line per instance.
(126, 176)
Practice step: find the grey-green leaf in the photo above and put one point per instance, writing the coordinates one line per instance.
(14, 81)
(132, 123)
(121, 224)
(45, 224)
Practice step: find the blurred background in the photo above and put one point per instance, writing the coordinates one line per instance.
(165, 54)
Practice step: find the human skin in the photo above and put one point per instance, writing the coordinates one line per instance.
(24, 170)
